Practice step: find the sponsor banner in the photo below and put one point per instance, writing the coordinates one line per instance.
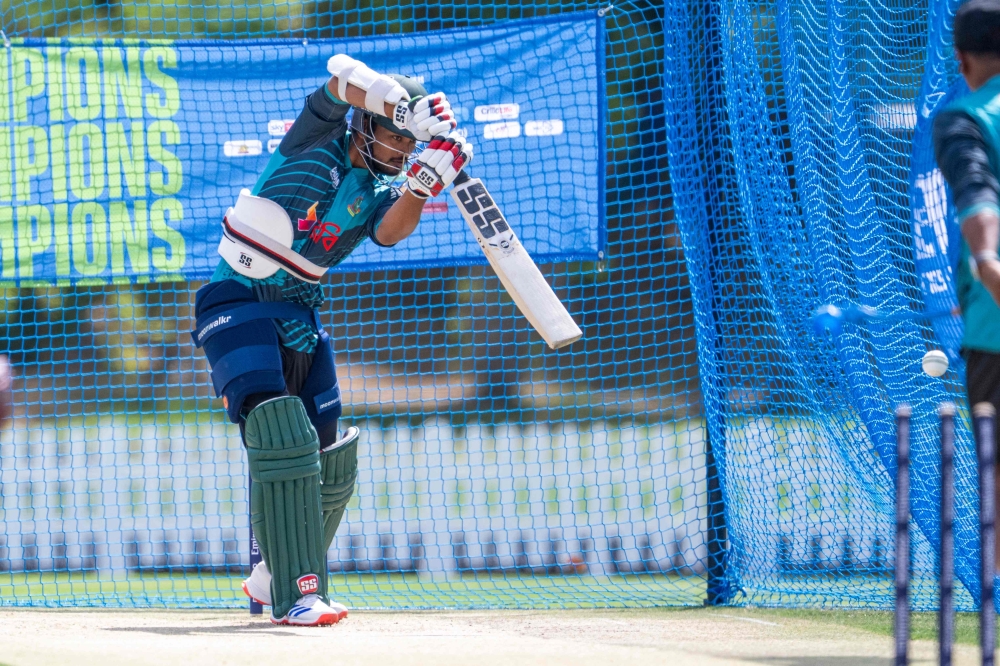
(279, 127)
(543, 127)
(502, 130)
(493, 112)
(242, 148)
(121, 157)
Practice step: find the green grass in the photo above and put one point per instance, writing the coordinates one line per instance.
(360, 590)
(401, 591)
(923, 625)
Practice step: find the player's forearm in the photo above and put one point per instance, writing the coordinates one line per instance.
(982, 231)
(400, 220)
(422, 115)
(982, 234)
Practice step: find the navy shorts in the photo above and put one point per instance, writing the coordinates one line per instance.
(982, 377)
(249, 363)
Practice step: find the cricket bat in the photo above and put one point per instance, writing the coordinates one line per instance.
(513, 265)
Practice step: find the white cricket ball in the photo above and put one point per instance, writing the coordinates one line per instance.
(935, 363)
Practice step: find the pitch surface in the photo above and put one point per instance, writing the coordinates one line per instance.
(713, 637)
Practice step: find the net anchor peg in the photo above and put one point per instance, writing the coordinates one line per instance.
(6, 41)
(604, 11)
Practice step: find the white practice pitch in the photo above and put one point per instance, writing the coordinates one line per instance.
(677, 637)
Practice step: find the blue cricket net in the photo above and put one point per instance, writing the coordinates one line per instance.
(493, 471)
(803, 175)
(721, 168)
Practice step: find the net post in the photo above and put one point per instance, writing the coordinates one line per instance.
(946, 581)
(717, 589)
(901, 560)
(719, 169)
(984, 427)
(255, 556)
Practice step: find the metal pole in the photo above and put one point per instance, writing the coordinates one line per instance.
(901, 565)
(984, 426)
(719, 171)
(717, 592)
(946, 612)
(255, 556)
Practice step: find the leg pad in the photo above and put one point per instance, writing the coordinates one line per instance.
(285, 507)
(339, 472)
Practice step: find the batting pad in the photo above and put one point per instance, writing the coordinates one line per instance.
(283, 450)
(339, 471)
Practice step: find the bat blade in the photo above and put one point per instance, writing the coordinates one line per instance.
(514, 266)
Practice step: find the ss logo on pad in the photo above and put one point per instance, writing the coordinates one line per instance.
(245, 260)
(308, 584)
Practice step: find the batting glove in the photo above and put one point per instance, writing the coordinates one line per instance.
(436, 167)
(425, 117)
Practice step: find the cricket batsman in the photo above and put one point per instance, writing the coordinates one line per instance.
(326, 189)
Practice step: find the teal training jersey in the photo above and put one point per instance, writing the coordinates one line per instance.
(980, 313)
(333, 206)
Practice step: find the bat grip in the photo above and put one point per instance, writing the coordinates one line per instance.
(462, 177)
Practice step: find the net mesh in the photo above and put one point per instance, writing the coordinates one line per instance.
(493, 472)
(793, 128)
(791, 141)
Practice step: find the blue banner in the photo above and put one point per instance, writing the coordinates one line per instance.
(120, 158)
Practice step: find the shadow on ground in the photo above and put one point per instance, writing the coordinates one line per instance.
(195, 631)
(819, 661)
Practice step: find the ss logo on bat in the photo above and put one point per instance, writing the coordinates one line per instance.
(489, 222)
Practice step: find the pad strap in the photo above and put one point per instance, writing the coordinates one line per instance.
(383, 91)
(214, 322)
(290, 260)
(344, 78)
(288, 464)
(236, 362)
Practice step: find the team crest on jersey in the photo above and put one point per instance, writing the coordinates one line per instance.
(355, 207)
(327, 234)
(310, 220)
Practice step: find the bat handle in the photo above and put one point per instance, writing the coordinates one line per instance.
(462, 177)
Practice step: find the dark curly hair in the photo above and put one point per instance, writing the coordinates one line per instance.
(977, 27)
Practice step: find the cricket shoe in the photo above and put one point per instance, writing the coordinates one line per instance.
(258, 588)
(258, 585)
(309, 611)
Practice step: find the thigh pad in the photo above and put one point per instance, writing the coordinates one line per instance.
(321, 391)
(245, 357)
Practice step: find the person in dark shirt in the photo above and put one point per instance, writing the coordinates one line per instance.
(966, 148)
(326, 189)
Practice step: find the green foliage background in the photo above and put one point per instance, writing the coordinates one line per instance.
(78, 350)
